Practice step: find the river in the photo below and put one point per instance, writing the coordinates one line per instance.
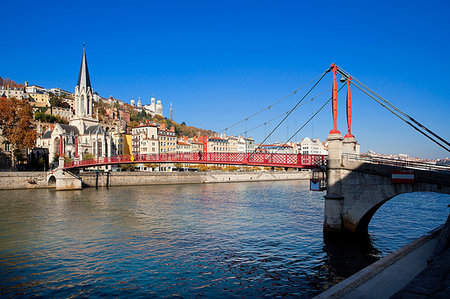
(207, 240)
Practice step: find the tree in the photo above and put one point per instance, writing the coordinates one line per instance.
(58, 101)
(48, 118)
(16, 118)
(178, 165)
(133, 124)
(88, 156)
(128, 167)
(153, 166)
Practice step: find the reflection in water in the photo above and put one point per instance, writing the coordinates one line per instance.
(213, 240)
(346, 256)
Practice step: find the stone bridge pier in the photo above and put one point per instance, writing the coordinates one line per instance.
(356, 190)
(63, 180)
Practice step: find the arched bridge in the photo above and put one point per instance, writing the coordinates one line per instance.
(357, 186)
(248, 159)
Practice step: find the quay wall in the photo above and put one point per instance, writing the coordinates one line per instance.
(38, 180)
(23, 180)
(158, 178)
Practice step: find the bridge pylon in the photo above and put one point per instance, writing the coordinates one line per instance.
(334, 199)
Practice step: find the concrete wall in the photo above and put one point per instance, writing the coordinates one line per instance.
(23, 180)
(155, 178)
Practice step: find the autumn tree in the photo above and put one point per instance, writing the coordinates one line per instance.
(16, 126)
(9, 82)
(178, 165)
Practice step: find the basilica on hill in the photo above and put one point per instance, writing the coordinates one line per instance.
(83, 134)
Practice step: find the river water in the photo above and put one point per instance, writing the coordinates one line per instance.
(212, 240)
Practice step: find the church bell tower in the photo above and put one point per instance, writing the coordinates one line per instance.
(83, 91)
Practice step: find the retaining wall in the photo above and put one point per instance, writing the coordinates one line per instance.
(37, 180)
(157, 178)
(23, 180)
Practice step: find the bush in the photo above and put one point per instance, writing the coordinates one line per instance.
(88, 156)
(128, 167)
(231, 168)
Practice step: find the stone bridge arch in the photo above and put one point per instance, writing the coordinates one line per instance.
(362, 225)
(51, 182)
(357, 189)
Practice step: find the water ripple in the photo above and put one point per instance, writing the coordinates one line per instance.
(218, 240)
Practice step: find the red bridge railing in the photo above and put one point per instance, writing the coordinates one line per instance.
(257, 159)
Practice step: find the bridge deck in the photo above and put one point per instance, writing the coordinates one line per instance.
(257, 159)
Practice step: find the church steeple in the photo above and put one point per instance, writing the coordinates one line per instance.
(83, 77)
(83, 91)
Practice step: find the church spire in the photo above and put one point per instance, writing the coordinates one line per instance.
(83, 77)
(83, 91)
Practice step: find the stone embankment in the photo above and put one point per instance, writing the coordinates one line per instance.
(420, 269)
(35, 180)
(157, 178)
(23, 180)
(434, 280)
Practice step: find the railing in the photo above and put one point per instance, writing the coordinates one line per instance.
(257, 159)
(396, 162)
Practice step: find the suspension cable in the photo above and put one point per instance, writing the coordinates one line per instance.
(304, 125)
(287, 115)
(268, 107)
(406, 121)
(284, 113)
(346, 74)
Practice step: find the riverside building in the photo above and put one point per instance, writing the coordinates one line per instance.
(145, 139)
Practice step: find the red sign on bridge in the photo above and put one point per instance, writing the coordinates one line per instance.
(403, 176)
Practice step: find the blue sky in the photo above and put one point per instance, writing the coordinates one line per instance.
(218, 62)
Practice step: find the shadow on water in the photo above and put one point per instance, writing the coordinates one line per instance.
(344, 256)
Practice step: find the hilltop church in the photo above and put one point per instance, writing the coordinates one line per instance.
(84, 134)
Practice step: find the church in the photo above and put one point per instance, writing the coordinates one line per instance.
(154, 108)
(84, 134)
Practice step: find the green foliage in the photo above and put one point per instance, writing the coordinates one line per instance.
(19, 155)
(153, 166)
(48, 118)
(87, 156)
(128, 167)
(178, 165)
(67, 160)
(133, 124)
(231, 168)
(204, 167)
(58, 101)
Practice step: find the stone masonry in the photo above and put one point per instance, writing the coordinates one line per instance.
(355, 190)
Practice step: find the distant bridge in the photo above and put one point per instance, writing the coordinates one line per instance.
(242, 159)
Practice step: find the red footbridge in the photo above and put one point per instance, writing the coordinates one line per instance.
(244, 159)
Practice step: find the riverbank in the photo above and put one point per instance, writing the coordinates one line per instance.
(38, 180)
(167, 178)
(23, 180)
(402, 272)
